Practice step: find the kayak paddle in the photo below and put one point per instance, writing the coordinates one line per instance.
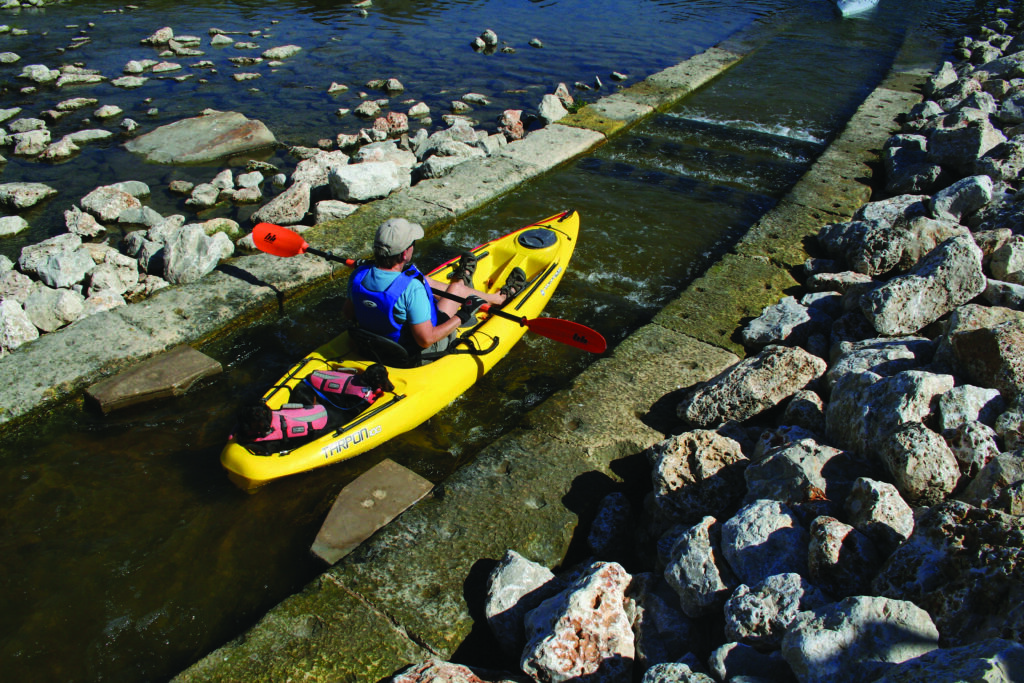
(564, 331)
(278, 240)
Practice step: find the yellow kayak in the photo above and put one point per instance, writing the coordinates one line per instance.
(542, 250)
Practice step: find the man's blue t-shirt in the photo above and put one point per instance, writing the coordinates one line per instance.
(412, 307)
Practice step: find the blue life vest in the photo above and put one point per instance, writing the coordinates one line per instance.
(375, 311)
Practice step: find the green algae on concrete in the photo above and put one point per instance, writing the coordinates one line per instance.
(323, 633)
(716, 306)
(607, 411)
(618, 111)
(785, 235)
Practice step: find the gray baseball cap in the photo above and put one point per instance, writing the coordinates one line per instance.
(395, 235)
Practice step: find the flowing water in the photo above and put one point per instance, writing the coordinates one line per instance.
(127, 554)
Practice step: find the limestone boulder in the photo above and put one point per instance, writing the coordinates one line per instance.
(993, 661)
(974, 444)
(191, 253)
(991, 488)
(876, 509)
(804, 471)
(50, 309)
(967, 403)
(16, 328)
(993, 357)
(962, 139)
(12, 225)
(965, 566)
(907, 166)
(697, 570)
(288, 208)
(612, 531)
(857, 639)
(675, 672)
(107, 203)
(83, 224)
(949, 276)
(759, 615)
(696, 473)
(921, 464)
(367, 181)
(787, 322)
(20, 195)
(315, 171)
(662, 632)
(751, 386)
(1007, 262)
(202, 139)
(584, 631)
(865, 408)
(16, 286)
(885, 356)
(514, 587)
(961, 199)
(762, 539)
(840, 559)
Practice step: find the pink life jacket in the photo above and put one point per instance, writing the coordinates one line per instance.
(294, 420)
(342, 386)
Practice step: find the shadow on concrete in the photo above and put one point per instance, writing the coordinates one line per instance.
(480, 648)
(662, 416)
(245, 276)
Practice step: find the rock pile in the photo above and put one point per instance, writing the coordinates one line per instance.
(86, 275)
(845, 504)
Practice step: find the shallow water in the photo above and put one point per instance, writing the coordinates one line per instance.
(127, 553)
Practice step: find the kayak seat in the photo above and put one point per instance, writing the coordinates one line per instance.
(389, 352)
(381, 349)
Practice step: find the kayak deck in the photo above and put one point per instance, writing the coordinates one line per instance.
(542, 250)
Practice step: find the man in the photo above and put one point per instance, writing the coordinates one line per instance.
(392, 298)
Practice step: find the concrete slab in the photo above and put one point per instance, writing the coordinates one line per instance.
(786, 235)
(687, 76)
(474, 183)
(609, 115)
(168, 374)
(62, 362)
(320, 634)
(716, 306)
(367, 505)
(835, 185)
(609, 410)
(550, 146)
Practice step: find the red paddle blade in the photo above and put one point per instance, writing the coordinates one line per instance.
(568, 332)
(277, 240)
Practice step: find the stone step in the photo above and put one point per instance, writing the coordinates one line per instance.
(367, 504)
(171, 373)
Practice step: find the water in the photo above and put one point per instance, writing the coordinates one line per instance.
(127, 553)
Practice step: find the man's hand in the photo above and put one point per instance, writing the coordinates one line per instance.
(470, 308)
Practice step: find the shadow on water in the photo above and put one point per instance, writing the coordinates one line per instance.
(127, 553)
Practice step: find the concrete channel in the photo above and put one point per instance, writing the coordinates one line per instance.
(412, 591)
(415, 589)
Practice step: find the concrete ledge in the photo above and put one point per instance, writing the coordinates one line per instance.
(322, 631)
(717, 305)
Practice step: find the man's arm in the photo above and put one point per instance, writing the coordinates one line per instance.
(425, 333)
